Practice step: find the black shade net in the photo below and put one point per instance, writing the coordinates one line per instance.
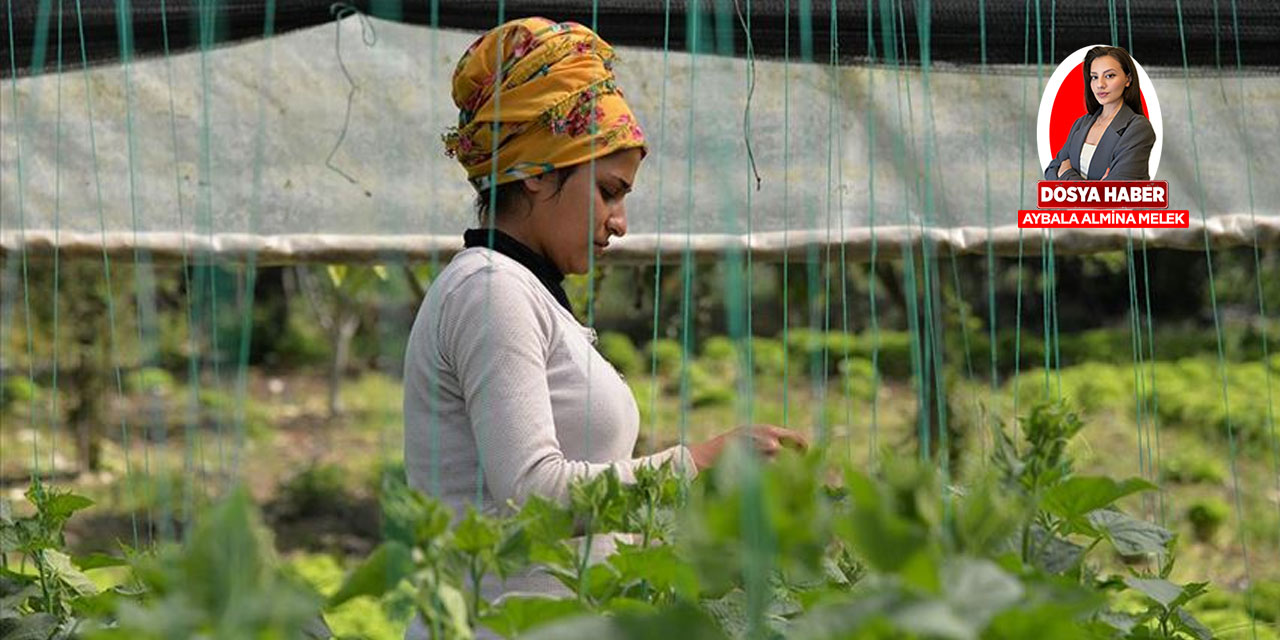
(1015, 33)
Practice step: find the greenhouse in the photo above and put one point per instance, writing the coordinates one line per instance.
(279, 358)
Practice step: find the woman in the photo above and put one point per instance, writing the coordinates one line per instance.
(1113, 140)
(505, 395)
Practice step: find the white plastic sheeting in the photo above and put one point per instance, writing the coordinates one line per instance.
(226, 151)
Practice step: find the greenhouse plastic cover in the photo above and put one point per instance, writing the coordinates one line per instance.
(228, 150)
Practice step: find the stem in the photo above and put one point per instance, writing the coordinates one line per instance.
(437, 631)
(44, 586)
(1026, 542)
(584, 557)
(648, 523)
(476, 575)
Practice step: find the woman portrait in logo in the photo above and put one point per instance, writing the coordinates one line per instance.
(1113, 140)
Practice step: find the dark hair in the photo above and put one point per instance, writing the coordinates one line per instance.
(1132, 94)
(508, 194)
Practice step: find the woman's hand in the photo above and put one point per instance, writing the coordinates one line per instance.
(767, 439)
(1064, 167)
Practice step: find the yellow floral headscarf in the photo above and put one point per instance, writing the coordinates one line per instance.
(559, 104)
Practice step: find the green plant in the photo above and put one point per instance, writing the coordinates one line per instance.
(47, 595)
(362, 618)
(1206, 517)
(706, 389)
(319, 488)
(1265, 596)
(891, 351)
(222, 582)
(17, 390)
(720, 357)
(860, 378)
(150, 380)
(621, 353)
(669, 355)
(1192, 466)
(754, 550)
(768, 356)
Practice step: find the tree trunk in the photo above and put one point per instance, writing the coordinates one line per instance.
(347, 325)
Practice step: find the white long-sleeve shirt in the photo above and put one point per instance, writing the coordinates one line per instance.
(505, 397)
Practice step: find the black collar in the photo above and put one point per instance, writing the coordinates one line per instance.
(546, 272)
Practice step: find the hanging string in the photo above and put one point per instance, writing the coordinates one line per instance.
(54, 408)
(435, 425)
(657, 269)
(872, 444)
(22, 230)
(993, 345)
(748, 352)
(1022, 165)
(208, 270)
(1273, 439)
(251, 266)
(786, 214)
(106, 269)
(341, 11)
(1217, 325)
(751, 90)
(189, 290)
(144, 283)
(482, 423)
(692, 31)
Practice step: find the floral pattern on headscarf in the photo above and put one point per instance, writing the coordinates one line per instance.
(558, 104)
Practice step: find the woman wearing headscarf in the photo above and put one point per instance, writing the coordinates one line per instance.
(505, 394)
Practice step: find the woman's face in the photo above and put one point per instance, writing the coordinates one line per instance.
(1107, 80)
(579, 220)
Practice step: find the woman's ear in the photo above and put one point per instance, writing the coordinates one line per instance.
(539, 183)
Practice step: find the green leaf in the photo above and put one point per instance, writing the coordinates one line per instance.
(9, 539)
(1162, 591)
(96, 606)
(1054, 554)
(381, 572)
(453, 617)
(60, 564)
(1191, 591)
(514, 551)
(476, 533)
(1130, 536)
(518, 614)
(978, 589)
(1079, 495)
(337, 273)
(99, 561)
(62, 505)
(935, 619)
(1189, 624)
(632, 606)
(883, 539)
(1122, 622)
(659, 566)
(37, 626)
(680, 621)
(601, 582)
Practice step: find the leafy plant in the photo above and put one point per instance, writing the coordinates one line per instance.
(47, 595)
(621, 353)
(223, 582)
(1207, 517)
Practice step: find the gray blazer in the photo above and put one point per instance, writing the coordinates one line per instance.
(1125, 148)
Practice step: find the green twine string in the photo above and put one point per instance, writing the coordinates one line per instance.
(106, 268)
(1217, 326)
